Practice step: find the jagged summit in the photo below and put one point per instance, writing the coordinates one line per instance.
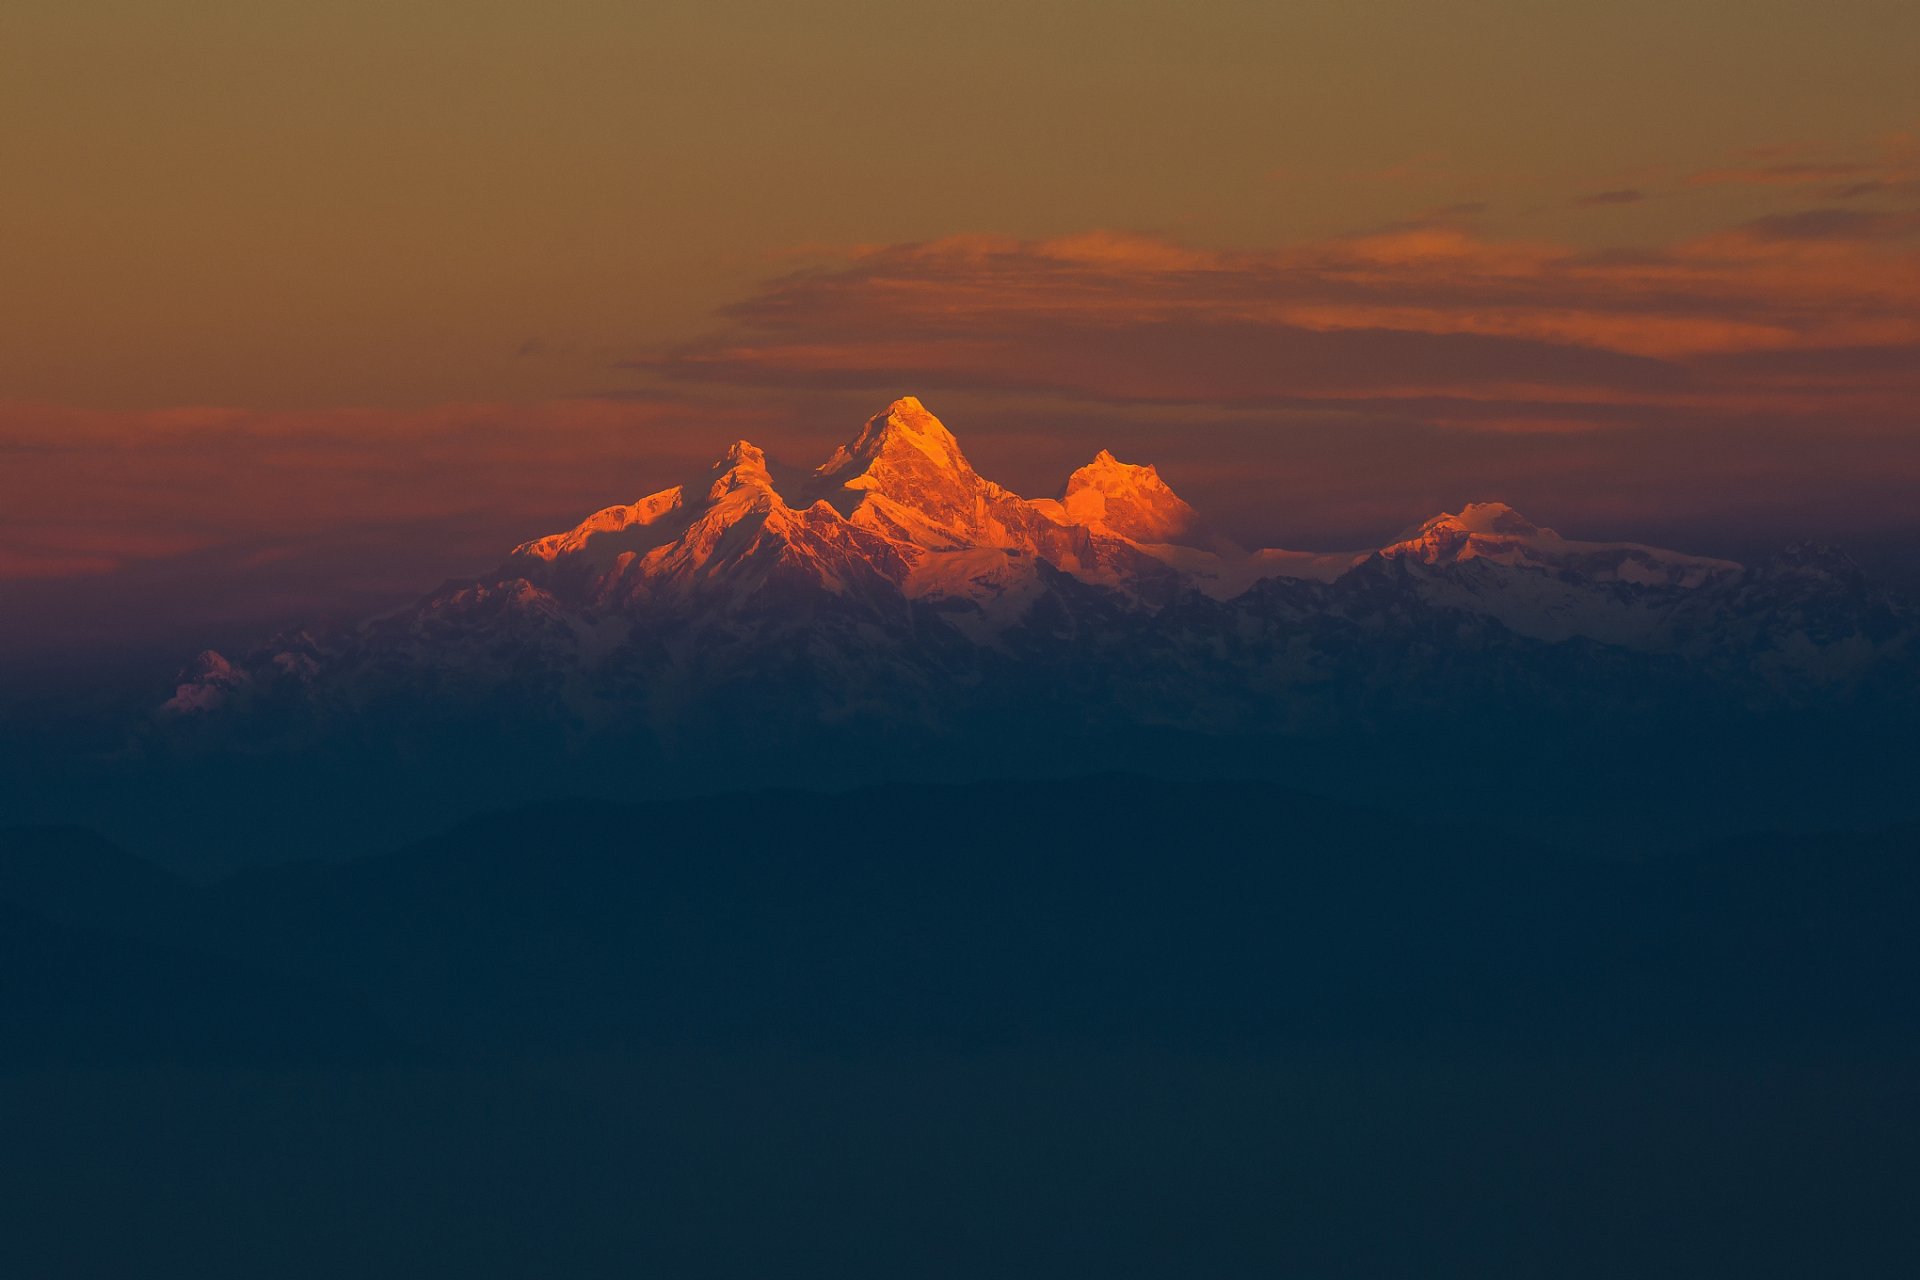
(744, 466)
(1128, 501)
(743, 453)
(1482, 518)
(1478, 530)
(901, 503)
(905, 424)
(905, 476)
(607, 521)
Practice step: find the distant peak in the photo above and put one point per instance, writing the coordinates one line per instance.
(1126, 499)
(1107, 471)
(743, 466)
(742, 453)
(905, 433)
(1482, 518)
(1495, 517)
(906, 419)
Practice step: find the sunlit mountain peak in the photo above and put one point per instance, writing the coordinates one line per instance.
(905, 425)
(1126, 500)
(1493, 532)
(744, 466)
(1485, 518)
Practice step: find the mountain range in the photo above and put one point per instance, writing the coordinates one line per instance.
(893, 585)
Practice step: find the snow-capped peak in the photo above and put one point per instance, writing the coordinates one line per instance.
(742, 453)
(743, 467)
(905, 426)
(900, 503)
(1494, 532)
(904, 476)
(609, 520)
(1485, 518)
(1128, 501)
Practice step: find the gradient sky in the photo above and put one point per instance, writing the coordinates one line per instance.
(310, 306)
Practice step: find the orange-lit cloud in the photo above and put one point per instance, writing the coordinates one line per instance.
(1787, 174)
(1430, 320)
(1615, 195)
(1893, 171)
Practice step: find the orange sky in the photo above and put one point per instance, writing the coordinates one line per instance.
(309, 306)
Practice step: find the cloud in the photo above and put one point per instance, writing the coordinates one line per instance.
(1893, 171)
(1799, 173)
(1620, 195)
(1835, 224)
(1431, 321)
(1906, 187)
